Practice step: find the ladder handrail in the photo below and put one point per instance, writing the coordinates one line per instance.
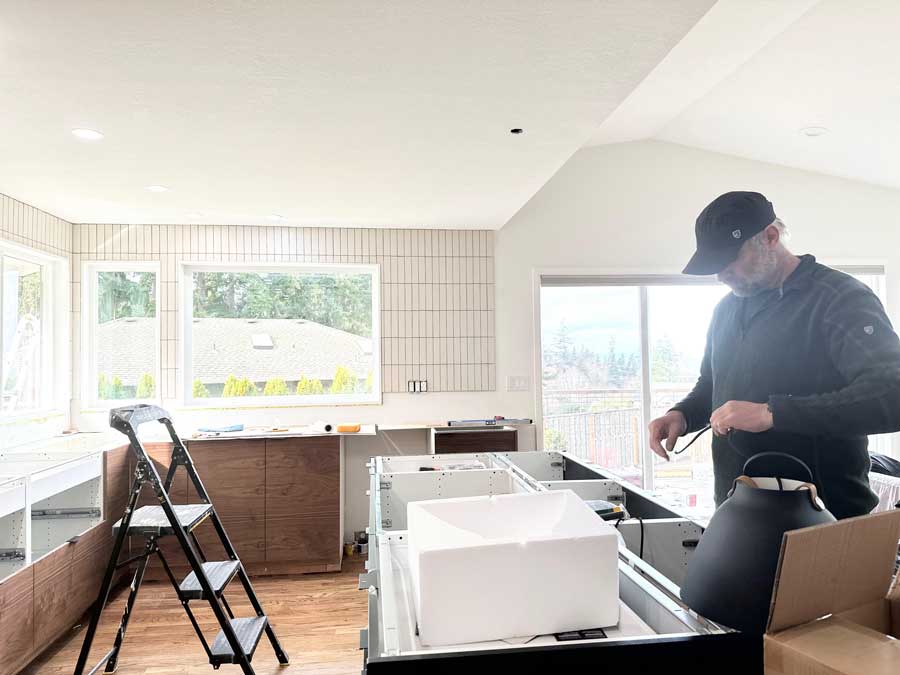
(128, 418)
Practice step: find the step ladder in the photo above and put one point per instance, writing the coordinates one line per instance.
(238, 638)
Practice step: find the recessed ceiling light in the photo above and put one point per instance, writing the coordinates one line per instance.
(276, 218)
(87, 135)
(157, 188)
(517, 130)
(813, 131)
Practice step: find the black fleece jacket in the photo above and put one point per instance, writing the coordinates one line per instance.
(822, 352)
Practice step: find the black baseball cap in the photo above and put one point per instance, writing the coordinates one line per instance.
(723, 227)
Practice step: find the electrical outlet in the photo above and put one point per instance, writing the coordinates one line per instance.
(417, 386)
(518, 383)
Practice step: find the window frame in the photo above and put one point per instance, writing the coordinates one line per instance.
(55, 309)
(89, 307)
(185, 337)
(641, 279)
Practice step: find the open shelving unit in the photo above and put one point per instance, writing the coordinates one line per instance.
(49, 494)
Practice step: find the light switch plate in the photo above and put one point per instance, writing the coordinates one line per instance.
(518, 383)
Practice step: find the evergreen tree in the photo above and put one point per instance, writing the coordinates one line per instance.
(275, 387)
(230, 388)
(561, 350)
(146, 387)
(664, 362)
(344, 381)
(200, 390)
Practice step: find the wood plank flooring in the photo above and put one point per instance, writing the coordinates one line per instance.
(317, 617)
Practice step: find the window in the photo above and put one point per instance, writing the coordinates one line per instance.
(292, 334)
(121, 333)
(591, 374)
(617, 352)
(26, 330)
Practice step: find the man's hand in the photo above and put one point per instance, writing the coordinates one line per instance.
(668, 427)
(741, 416)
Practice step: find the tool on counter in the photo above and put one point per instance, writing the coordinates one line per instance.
(497, 420)
(348, 428)
(221, 430)
(606, 510)
(321, 426)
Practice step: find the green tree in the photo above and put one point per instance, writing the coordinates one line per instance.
(30, 293)
(562, 348)
(109, 389)
(200, 390)
(146, 387)
(344, 381)
(342, 301)
(235, 387)
(664, 362)
(126, 294)
(554, 440)
(614, 375)
(230, 387)
(275, 387)
(246, 388)
(309, 387)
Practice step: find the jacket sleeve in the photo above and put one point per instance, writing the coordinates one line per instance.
(865, 349)
(697, 405)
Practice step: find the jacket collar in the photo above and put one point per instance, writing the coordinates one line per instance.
(801, 277)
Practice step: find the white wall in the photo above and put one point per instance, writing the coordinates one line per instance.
(633, 205)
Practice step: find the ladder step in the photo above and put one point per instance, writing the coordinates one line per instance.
(219, 574)
(149, 520)
(248, 632)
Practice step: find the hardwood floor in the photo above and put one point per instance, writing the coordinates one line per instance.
(317, 618)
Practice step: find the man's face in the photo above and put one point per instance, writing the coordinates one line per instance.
(755, 268)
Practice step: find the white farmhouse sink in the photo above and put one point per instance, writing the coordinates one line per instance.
(489, 568)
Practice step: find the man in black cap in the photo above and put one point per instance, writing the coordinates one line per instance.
(800, 358)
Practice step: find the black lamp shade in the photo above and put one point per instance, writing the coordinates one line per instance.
(732, 572)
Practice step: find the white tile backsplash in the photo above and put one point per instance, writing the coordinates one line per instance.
(437, 290)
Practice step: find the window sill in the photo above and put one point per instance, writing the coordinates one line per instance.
(259, 403)
(31, 416)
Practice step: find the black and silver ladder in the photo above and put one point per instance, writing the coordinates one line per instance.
(238, 638)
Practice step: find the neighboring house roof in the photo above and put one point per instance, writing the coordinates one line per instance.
(224, 347)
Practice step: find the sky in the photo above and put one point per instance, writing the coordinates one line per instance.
(594, 314)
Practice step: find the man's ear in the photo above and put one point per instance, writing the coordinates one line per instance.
(773, 236)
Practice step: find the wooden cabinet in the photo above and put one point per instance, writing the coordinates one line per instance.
(303, 500)
(234, 475)
(52, 584)
(17, 621)
(448, 440)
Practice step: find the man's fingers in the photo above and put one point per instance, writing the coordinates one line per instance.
(656, 434)
(672, 439)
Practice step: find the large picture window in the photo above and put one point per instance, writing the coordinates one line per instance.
(617, 352)
(121, 333)
(284, 334)
(24, 314)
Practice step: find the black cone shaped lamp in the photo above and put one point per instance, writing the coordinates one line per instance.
(732, 571)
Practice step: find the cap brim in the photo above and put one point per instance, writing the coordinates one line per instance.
(704, 263)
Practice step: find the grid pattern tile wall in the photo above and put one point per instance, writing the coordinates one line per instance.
(437, 288)
(26, 225)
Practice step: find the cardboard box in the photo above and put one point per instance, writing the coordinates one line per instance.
(834, 608)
